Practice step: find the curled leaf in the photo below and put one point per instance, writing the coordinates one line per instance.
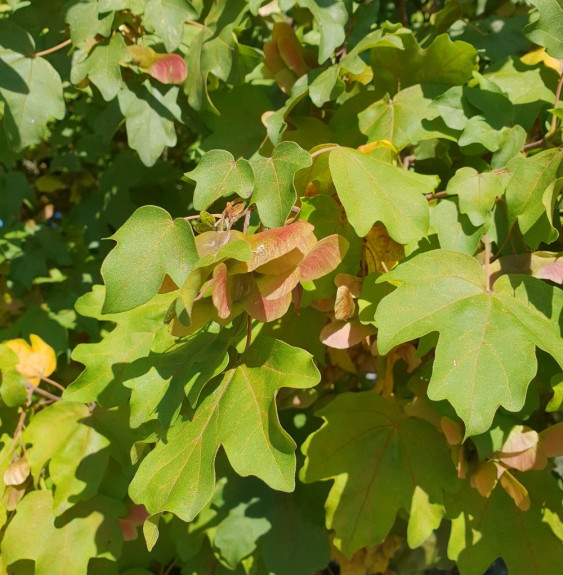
(36, 360)
(17, 472)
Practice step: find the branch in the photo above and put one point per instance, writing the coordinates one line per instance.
(53, 383)
(33, 389)
(436, 196)
(323, 150)
(53, 49)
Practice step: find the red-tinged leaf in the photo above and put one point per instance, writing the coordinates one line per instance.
(453, 430)
(137, 514)
(551, 440)
(169, 69)
(271, 244)
(519, 439)
(221, 294)
(485, 478)
(552, 272)
(274, 287)
(265, 310)
(342, 335)
(166, 68)
(323, 258)
(521, 450)
(128, 530)
(516, 490)
(283, 264)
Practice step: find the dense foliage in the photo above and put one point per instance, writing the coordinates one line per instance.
(325, 336)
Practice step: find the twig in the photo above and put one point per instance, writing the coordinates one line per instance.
(404, 15)
(248, 332)
(194, 23)
(197, 216)
(53, 49)
(408, 161)
(532, 145)
(246, 222)
(436, 196)
(33, 389)
(169, 568)
(53, 383)
(323, 150)
(487, 262)
(21, 419)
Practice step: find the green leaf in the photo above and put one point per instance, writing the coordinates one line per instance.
(219, 175)
(76, 453)
(444, 62)
(211, 50)
(371, 190)
(101, 65)
(12, 382)
(160, 382)
(132, 338)
(149, 119)
(381, 462)
(332, 18)
(476, 192)
(287, 528)
(529, 88)
(239, 413)
(530, 192)
(545, 30)
(65, 544)
(455, 230)
(86, 20)
(274, 192)
(167, 18)
(150, 245)
(403, 119)
(474, 369)
(525, 542)
(33, 95)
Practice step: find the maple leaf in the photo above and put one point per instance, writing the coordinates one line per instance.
(76, 453)
(372, 190)
(105, 361)
(261, 285)
(524, 540)
(150, 245)
(36, 361)
(238, 411)
(398, 462)
(474, 368)
(88, 530)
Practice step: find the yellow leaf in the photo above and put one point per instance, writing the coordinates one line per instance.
(382, 253)
(36, 360)
(540, 55)
(369, 148)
